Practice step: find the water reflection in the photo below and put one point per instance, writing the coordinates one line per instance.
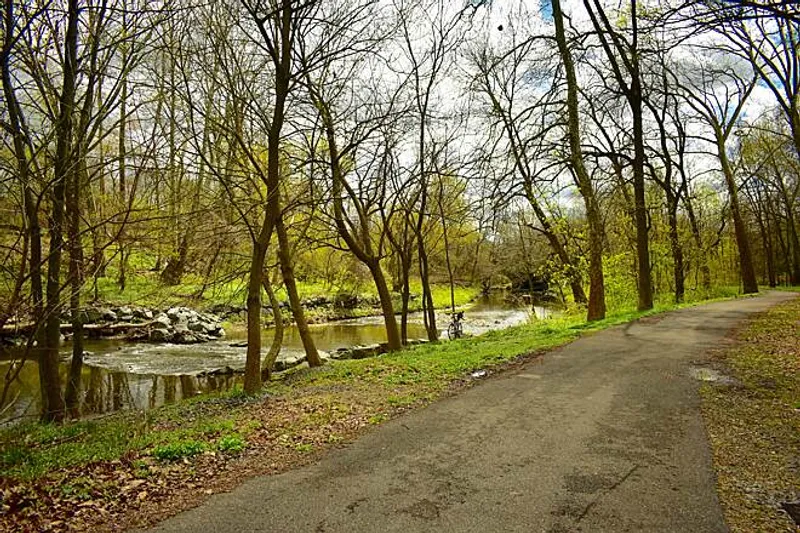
(120, 375)
(106, 391)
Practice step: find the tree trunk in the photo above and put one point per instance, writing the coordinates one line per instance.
(428, 309)
(705, 271)
(252, 368)
(277, 339)
(451, 282)
(73, 390)
(15, 119)
(678, 268)
(748, 273)
(122, 277)
(387, 308)
(53, 402)
(285, 258)
(766, 239)
(644, 276)
(405, 297)
(597, 303)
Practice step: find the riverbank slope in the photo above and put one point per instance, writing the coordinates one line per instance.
(134, 467)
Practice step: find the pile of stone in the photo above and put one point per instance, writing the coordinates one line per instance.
(181, 325)
(106, 315)
(370, 350)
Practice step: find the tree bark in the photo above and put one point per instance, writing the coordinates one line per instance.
(678, 271)
(73, 390)
(597, 304)
(285, 258)
(53, 407)
(748, 273)
(252, 368)
(277, 338)
(387, 308)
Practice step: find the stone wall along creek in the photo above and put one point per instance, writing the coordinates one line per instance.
(177, 325)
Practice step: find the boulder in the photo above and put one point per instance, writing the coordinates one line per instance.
(287, 362)
(160, 335)
(224, 371)
(142, 313)
(185, 337)
(177, 314)
(108, 315)
(163, 320)
(362, 352)
(198, 325)
(345, 300)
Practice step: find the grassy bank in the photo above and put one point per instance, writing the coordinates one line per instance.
(132, 468)
(144, 288)
(754, 424)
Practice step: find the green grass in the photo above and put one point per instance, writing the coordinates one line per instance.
(435, 366)
(795, 288)
(143, 287)
(29, 451)
(173, 451)
(398, 380)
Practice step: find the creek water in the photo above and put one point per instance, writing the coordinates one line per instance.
(121, 375)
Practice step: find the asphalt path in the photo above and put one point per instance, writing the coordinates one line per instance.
(604, 434)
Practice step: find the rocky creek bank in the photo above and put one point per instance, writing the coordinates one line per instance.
(177, 325)
(285, 360)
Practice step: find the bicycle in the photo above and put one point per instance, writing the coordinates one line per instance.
(455, 330)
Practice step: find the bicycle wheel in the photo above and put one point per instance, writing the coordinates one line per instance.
(453, 331)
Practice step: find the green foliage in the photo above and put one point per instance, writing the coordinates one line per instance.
(408, 377)
(233, 443)
(620, 280)
(143, 287)
(304, 447)
(29, 451)
(174, 451)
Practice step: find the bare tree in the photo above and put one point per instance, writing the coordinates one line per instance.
(718, 95)
(597, 303)
(623, 54)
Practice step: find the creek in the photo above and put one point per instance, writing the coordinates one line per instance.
(120, 375)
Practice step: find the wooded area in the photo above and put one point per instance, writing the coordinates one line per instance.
(621, 154)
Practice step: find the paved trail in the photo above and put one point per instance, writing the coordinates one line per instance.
(603, 435)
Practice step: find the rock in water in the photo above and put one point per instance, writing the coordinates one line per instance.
(160, 335)
(197, 325)
(163, 320)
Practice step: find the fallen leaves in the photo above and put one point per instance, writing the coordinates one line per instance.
(753, 428)
(138, 490)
